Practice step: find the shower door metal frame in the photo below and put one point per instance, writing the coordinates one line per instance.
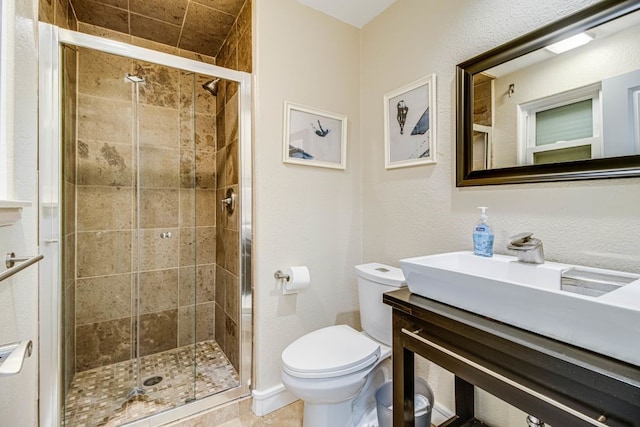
(51, 41)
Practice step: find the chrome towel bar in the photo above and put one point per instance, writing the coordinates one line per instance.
(12, 259)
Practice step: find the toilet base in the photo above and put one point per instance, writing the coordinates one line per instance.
(365, 402)
(353, 411)
(323, 415)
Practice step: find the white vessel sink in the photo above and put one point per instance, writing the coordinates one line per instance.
(591, 308)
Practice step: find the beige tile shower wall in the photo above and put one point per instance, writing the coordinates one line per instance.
(197, 212)
(235, 54)
(137, 41)
(57, 12)
(482, 102)
(105, 218)
(177, 196)
(100, 301)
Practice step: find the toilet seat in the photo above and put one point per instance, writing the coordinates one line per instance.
(330, 352)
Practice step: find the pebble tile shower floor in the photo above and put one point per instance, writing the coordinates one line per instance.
(98, 397)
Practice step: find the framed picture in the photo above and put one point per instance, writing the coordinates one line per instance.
(410, 124)
(314, 137)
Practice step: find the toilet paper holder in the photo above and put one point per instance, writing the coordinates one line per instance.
(281, 276)
(293, 279)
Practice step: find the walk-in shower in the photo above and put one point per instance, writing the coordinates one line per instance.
(145, 288)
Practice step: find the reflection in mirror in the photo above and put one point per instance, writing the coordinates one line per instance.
(555, 109)
(564, 106)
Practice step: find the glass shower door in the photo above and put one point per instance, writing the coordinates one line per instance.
(131, 232)
(165, 223)
(99, 223)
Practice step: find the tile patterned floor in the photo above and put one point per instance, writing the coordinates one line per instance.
(98, 397)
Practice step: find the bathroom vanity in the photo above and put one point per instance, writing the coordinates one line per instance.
(558, 383)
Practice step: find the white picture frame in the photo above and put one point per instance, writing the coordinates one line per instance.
(410, 124)
(314, 137)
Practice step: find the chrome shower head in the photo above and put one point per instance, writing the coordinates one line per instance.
(211, 86)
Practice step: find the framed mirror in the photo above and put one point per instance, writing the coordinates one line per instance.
(559, 103)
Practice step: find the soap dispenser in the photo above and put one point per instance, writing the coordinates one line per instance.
(483, 235)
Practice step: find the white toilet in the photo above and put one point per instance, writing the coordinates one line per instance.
(336, 370)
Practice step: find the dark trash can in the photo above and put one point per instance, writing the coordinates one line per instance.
(423, 403)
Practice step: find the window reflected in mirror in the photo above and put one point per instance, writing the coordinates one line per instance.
(575, 103)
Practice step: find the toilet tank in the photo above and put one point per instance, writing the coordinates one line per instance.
(374, 279)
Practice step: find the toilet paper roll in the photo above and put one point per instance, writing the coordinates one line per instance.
(299, 279)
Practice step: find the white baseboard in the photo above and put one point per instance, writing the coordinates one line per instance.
(271, 399)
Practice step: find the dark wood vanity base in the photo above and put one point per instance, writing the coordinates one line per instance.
(560, 384)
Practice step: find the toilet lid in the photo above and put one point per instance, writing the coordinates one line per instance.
(329, 352)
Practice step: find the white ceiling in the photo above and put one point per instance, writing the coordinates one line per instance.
(354, 12)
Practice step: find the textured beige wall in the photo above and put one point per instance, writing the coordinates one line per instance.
(419, 211)
(584, 222)
(303, 215)
(19, 294)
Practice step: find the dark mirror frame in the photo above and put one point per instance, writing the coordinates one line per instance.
(613, 167)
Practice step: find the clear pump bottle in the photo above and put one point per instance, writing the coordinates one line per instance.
(483, 235)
